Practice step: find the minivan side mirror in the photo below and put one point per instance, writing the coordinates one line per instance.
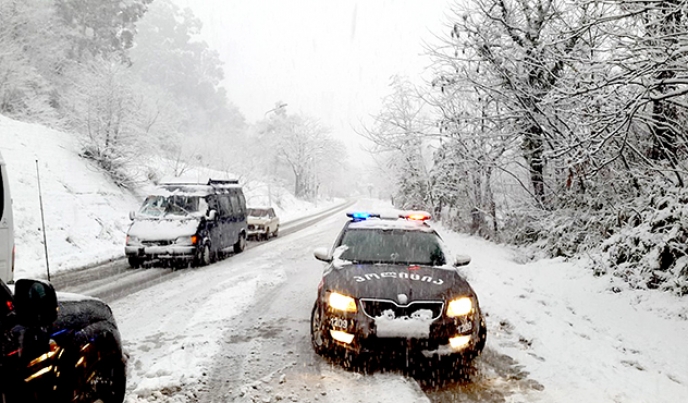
(461, 260)
(132, 215)
(35, 302)
(322, 254)
(212, 214)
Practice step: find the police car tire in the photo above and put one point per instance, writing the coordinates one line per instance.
(322, 347)
(482, 337)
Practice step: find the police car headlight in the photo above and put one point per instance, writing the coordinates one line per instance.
(132, 240)
(342, 302)
(186, 240)
(459, 307)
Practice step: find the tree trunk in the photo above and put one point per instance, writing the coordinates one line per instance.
(533, 146)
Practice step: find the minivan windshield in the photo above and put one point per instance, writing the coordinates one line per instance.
(392, 246)
(175, 206)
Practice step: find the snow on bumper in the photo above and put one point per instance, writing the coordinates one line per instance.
(440, 336)
(161, 252)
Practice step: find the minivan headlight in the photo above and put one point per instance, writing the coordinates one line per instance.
(186, 240)
(459, 307)
(132, 240)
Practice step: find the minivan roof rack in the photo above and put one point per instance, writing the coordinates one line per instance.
(223, 181)
(198, 181)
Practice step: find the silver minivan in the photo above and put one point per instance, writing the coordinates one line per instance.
(6, 227)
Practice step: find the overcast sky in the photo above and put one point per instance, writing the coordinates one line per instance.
(327, 59)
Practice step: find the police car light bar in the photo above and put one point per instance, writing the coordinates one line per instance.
(361, 215)
(407, 215)
(416, 215)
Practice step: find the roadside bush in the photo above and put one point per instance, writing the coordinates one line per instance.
(650, 250)
(643, 241)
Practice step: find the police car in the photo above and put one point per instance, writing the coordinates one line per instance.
(389, 283)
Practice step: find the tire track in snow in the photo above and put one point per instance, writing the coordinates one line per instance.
(114, 279)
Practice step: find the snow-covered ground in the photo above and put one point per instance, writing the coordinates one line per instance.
(239, 331)
(86, 215)
(575, 336)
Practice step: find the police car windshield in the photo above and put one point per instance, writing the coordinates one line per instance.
(393, 246)
(173, 206)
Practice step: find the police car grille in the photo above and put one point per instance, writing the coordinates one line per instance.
(376, 307)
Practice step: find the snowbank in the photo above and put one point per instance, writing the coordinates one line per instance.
(85, 214)
(579, 339)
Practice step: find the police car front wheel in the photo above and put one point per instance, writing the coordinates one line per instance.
(319, 337)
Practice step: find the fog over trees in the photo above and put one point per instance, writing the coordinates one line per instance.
(547, 122)
(555, 123)
(134, 80)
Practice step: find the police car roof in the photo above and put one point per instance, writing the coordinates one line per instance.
(398, 224)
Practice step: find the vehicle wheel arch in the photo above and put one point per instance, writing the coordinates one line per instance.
(95, 351)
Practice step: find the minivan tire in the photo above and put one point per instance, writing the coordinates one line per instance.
(240, 244)
(203, 256)
(135, 262)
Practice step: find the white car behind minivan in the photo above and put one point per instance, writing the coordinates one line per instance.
(6, 227)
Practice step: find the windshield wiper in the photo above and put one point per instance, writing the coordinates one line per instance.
(356, 261)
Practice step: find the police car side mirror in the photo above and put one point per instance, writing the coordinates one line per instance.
(322, 254)
(35, 302)
(461, 260)
(132, 215)
(212, 214)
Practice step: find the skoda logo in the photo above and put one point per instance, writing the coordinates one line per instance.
(402, 298)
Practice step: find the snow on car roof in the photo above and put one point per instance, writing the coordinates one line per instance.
(180, 189)
(190, 189)
(198, 180)
(401, 224)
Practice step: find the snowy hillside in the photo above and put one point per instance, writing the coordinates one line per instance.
(86, 215)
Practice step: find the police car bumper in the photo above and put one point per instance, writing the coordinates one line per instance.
(438, 337)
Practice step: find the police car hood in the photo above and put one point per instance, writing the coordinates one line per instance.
(388, 281)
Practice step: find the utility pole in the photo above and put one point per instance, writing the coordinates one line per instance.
(45, 238)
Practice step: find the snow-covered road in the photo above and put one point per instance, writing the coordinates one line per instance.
(238, 331)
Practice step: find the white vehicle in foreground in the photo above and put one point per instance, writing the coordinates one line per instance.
(263, 223)
(6, 227)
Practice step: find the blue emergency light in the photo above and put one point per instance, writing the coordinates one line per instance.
(407, 215)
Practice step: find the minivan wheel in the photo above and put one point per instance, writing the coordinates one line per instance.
(134, 262)
(240, 244)
(203, 256)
